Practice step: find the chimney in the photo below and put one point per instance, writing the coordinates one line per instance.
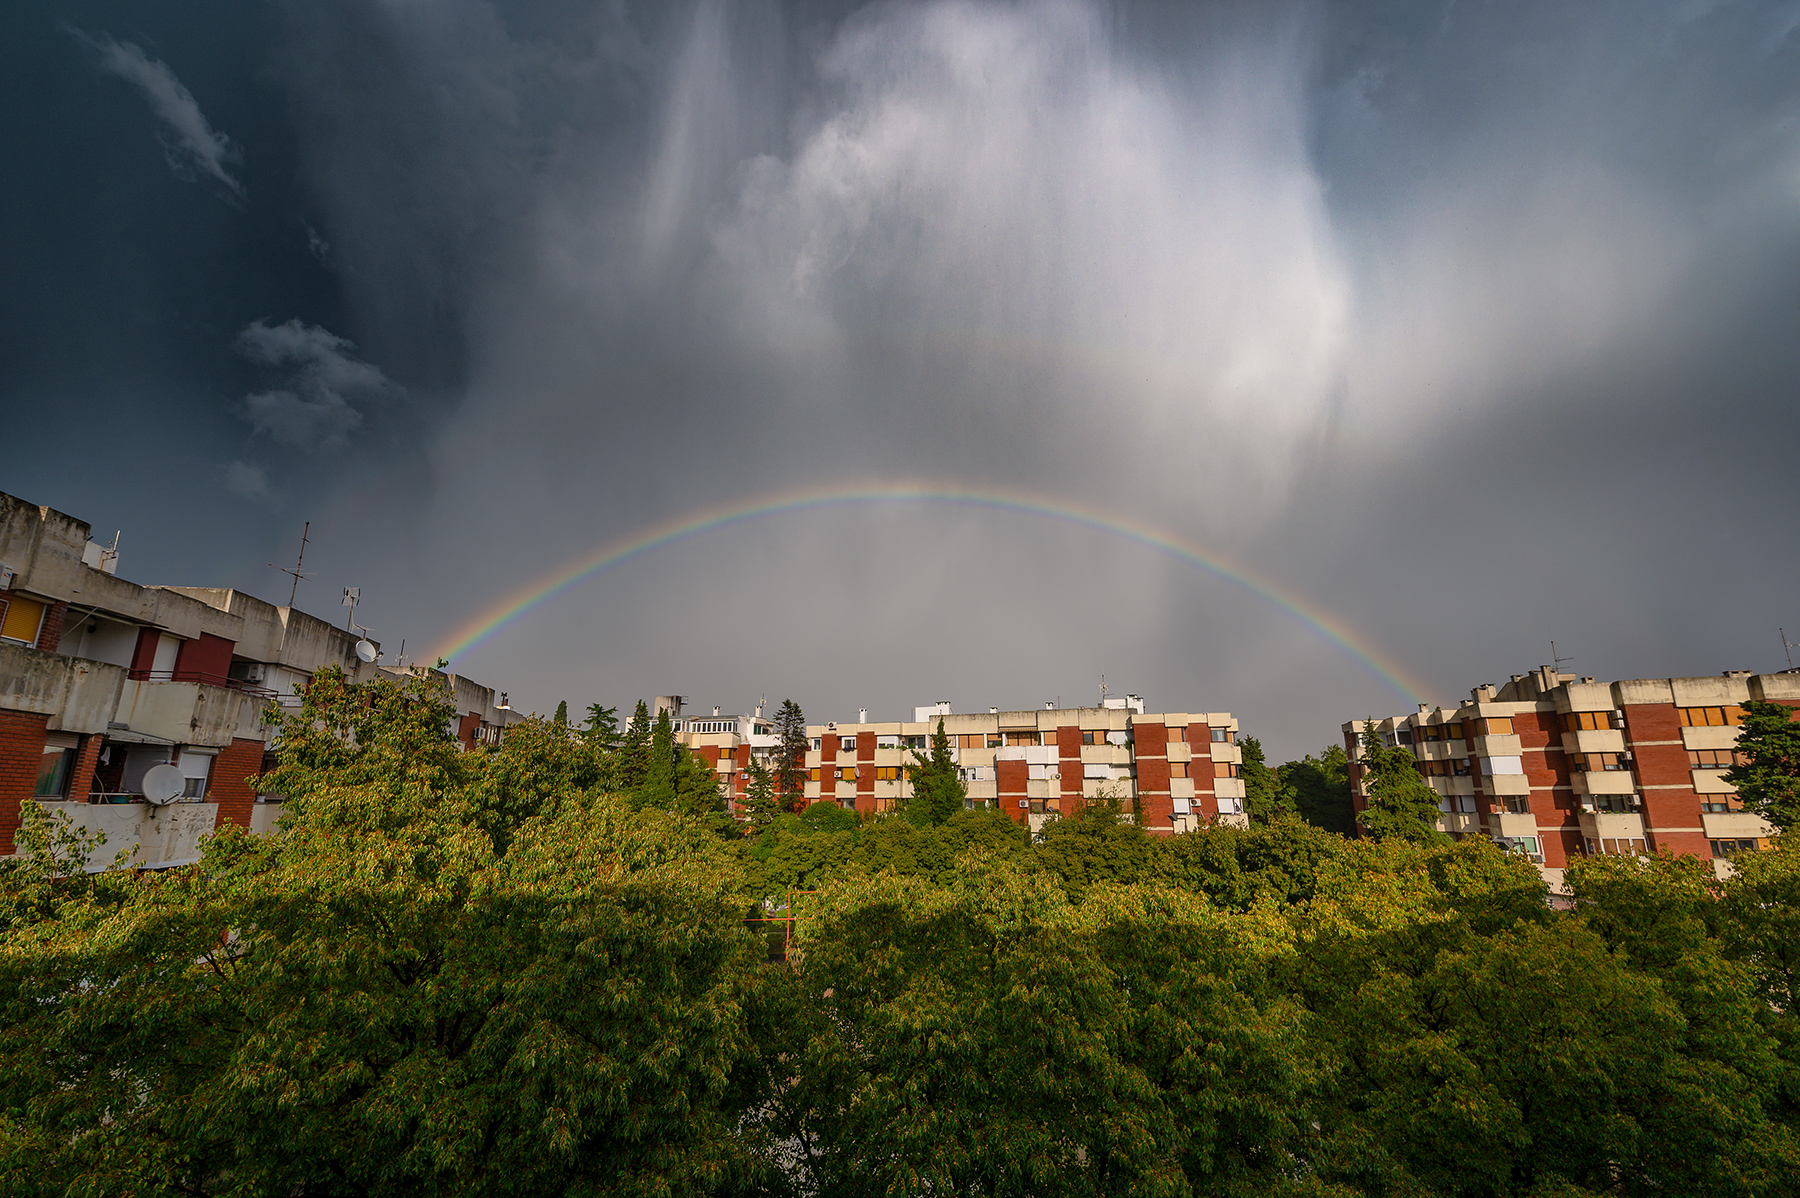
(862, 715)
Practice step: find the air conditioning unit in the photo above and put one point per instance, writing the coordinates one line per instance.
(1024, 802)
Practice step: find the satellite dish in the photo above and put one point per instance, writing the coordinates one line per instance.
(366, 651)
(164, 784)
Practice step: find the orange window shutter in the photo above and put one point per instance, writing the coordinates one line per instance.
(23, 619)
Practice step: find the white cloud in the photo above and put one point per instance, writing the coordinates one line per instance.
(312, 407)
(192, 142)
(247, 480)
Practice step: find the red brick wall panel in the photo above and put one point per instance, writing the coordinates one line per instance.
(232, 787)
(1009, 781)
(87, 759)
(1068, 764)
(865, 771)
(466, 729)
(21, 756)
(50, 635)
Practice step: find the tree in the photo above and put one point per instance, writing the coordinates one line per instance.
(602, 727)
(1402, 806)
(759, 794)
(791, 743)
(658, 787)
(937, 789)
(375, 1000)
(561, 719)
(1321, 790)
(632, 761)
(1265, 795)
(1767, 773)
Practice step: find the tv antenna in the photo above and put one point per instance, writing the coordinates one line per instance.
(296, 571)
(1786, 648)
(1556, 663)
(352, 596)
(1103, 690)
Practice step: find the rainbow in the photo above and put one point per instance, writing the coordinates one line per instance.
(514, 607)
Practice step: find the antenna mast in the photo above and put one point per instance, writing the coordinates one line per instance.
(1555, 661)
(1786, 648)
(296, 571)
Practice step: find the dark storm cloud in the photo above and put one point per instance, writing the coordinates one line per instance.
(191, 141)
(319, 383)
(1473, 323)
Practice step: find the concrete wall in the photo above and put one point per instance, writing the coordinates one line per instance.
(155, 837)
(78, 695)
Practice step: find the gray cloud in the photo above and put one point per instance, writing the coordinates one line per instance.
(247, 480)
(191, 142)
(313, 407)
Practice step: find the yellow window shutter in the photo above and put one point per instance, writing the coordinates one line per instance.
(23, 619)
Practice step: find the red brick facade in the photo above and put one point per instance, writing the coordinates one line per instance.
(231, 786)
(21, 756)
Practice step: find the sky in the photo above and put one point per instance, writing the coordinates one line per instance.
(1303, 361)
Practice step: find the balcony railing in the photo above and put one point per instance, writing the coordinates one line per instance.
(210, 679)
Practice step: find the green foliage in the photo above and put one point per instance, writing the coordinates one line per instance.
(1321, 790)
(658, 787)
(632, 763)
(602, 727)
(494, 973)
(1767, 775)
(561, 719)
(937, 789)
(1266, 796)
(791, 743)
(1402, 805)
(759, 794)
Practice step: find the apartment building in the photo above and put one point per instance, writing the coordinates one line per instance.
(1174, 770)
(1559, 766)
(103, 679)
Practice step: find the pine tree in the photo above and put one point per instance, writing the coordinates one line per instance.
(1767, 775)
(938, 792)
(602, 727)
(697, 791)
(1265, 795)
(562, 713)
(633, 758)
(759, 794)
(1402, 805)
(658, 787)
(791, 743)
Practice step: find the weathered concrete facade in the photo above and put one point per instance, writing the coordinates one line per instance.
(102, 679)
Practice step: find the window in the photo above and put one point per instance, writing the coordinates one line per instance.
(1614, 804)
(913, 742)
(1223, 736)
(1460, 766)
(1453, 731)
(1225, 769)
(1731, 848)
(1404, 736)
(847, 774)
(1711, 717)
(1432, 732)
(815, 744)
(887, 742)
(1090, 737)
(887, 773)
(1178, 734)
(847, 744)
(1494, 725)
(53, 774)
(812, 775)
(1609, 847)
(1022, 738)
(1589, 721)
(24, 618)
(728, 753)
(1517, 805)
(1594, 763)
(1714, 803)
(1712, 759)
(1178, 769)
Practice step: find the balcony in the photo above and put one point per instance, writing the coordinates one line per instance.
(1506, 784)
(1503, 745)
(1735, 825)
(177, 712)
(1603, 782)
(151, 837)
(1594, 740)
(1715, 737)
(1604, 827)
